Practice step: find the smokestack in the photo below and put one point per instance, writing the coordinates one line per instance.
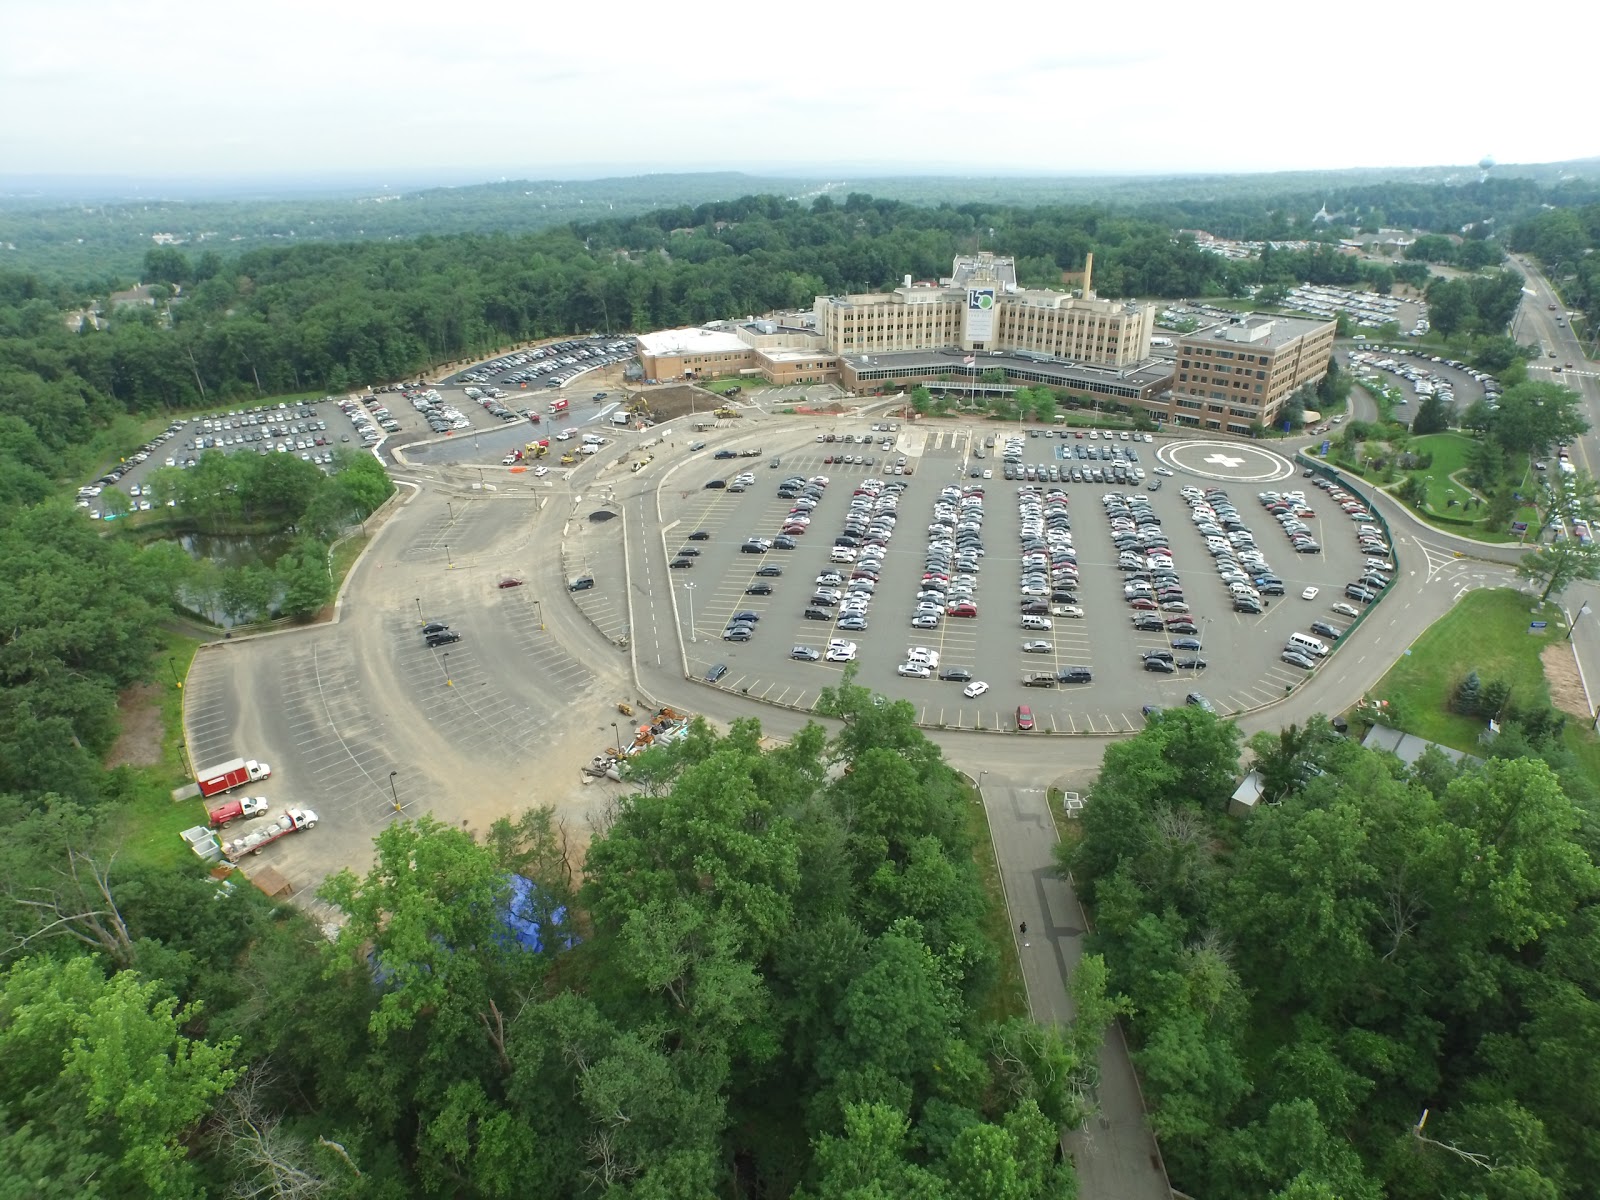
(1088, 275)
(908, 281)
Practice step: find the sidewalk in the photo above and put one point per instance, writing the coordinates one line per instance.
(1115, 1155)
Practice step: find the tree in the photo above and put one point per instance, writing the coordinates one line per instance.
(1433, 416)
(1486, 464)
(1450, 307)
(306, 579)
(1413, 490)
(1533, 416)
(1469, 694)
(1559, 565)
(99, 1082)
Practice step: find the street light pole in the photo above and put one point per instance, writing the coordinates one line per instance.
(1572, 622)
(617, 735)
(689, 587)
(449, 564)
(176, 682)
(394, 794)
(420, 621)
(447, 681)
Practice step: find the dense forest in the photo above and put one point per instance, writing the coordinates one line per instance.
(775, 973)
(778, 977)
(1382, 984)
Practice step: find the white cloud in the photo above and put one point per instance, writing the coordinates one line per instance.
(482, 88)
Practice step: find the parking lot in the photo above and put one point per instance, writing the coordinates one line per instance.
(1241, 650)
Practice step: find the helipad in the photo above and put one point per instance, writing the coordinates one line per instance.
(1231, 462)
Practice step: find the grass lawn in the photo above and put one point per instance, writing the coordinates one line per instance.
(150, 820)
(1487, 632)
(345, 555)
(1006, 997)
(723, 386)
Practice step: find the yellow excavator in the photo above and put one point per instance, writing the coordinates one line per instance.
(568, 459)
(727, 413)
(536, 450)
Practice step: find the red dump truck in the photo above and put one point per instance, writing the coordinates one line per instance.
(257, 840)
(236, 772)
(232, 810)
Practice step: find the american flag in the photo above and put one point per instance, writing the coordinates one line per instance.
(969, 360)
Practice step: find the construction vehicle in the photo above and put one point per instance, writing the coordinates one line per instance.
(726, 413)
(257, 840)
(625, 709)
(536, 449)
(224, 777)
(643, 462)
(232, 810)
(568, 459)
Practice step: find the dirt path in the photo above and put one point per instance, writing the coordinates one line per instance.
(139, 715)
(1566, 686)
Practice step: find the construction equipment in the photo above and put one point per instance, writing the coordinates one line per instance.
(643, 462)
(727, 413)
(568, 459)
(536, 449)
(625, 709)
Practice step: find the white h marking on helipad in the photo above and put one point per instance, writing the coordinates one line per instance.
(1224, 460)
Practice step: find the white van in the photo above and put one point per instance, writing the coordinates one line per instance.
(1307, 645)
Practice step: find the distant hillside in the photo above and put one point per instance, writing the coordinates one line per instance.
(94, 241)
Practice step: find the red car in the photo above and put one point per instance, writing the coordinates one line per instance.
(1024, 717)
(962, 609)
(510, 583)
(1143, 603)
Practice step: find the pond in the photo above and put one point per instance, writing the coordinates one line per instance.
(230, 551)
(237, 549)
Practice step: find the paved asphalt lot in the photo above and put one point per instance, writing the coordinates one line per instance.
(1242, 650)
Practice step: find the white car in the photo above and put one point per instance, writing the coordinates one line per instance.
(1309, 594)
(975, 689)
(841, 654)
(1164, 471)
(564, 436)
(1348, 610)
(541, 471)
(508, 460)
(923, 655)
(914, 670)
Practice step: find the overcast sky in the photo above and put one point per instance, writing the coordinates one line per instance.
(479, 89)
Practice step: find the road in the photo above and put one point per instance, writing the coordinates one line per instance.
(1535, 323)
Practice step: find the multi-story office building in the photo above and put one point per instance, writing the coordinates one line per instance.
(980, 308)
(1233, 376)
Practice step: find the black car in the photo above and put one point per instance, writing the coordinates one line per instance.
(724, 454)
(752, 548)
(700, 535)
(770, 571)
(956, 675)
(1191, 664)
(817, 614)
(681, 564)
(1076, 675)
(1163, 655)
(1196, 700)
(443, 639)
(581, 585)
(434, 627)
(1326, 630)
(716, 672)
(758, 589)
(1148, 623)
(717, 483)
(784, 542)
(1159, 666)
(689, 552)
